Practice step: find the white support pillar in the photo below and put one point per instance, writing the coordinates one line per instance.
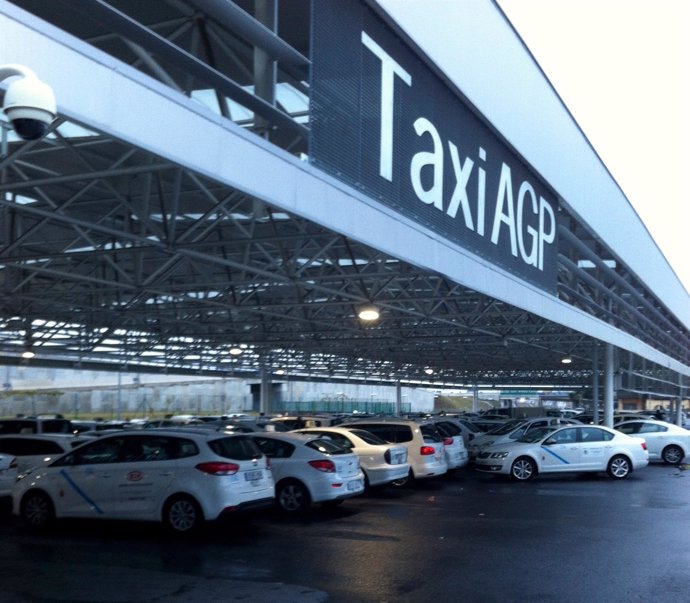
(608, 386)
(595, 382)
(398, 399)
(475, 399)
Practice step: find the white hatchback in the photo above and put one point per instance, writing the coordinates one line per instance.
(381, 462)
(179, 477)
(425, 452)
(308, 468)
(39, 449)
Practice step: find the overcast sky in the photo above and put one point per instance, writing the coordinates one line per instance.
(623, 69)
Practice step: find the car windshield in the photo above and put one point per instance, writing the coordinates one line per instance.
(534, 435)
(506, 428)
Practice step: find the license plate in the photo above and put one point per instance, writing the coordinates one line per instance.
(253, 476)
(354, 485)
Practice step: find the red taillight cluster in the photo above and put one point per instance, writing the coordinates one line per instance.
(323, 465)
(644, 445)
(427, 450)
(218, 468)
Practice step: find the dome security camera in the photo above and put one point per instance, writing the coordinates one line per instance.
(29, 102)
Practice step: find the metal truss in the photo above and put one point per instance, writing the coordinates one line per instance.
(112, 257)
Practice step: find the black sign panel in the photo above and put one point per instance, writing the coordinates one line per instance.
(382, 121)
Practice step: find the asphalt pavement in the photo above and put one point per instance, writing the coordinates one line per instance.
(466, 537)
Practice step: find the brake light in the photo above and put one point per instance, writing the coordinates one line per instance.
(644, 445)
(325, 465)
(427, 450)
(447, 441)
(217, 468)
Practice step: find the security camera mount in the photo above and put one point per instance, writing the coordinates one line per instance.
(29, 103)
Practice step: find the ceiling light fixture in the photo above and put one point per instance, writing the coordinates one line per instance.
(235, 351)
(567, 360)
(429, 371)
(368, 313)
(28, 354)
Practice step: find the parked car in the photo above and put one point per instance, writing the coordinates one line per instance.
(513, 430)
(308, 468)
(453, 443)
(302, 421)
(36, 425)
(8, 474)
(181, 478)
(584, 448)
(424, 451)
(468, 429)
(665, 441)
(37, 450)
(381, 462)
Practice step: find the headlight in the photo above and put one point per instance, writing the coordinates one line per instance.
(499, 455)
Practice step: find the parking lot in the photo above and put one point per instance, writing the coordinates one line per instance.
(467, 536)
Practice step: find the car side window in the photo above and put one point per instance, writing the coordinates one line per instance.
(592, 434)
(652, 428)
(564, 436)
(275, 449)
(106, 450)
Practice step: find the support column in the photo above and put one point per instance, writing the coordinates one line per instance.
(398, 399)
(475, 399)
(265, 72)
(608, 386)
(678, 419)
(595, 382)
(265, 393)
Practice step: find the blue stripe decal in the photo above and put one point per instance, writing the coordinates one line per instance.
(80, 492)
(552, 453)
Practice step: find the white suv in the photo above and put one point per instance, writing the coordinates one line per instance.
(179, 477)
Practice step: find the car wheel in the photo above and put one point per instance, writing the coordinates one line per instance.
(619, 467)
(292, 496)
(37, 510)
(673, 455)
(403, 481)
(523, 469)
(182, 515)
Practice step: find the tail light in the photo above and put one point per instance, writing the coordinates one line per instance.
(427, 450)
(216, 468)
(323, 465)
(447, 441)
(644, 445)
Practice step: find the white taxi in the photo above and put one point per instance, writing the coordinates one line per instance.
(179, 477)
(585, 448)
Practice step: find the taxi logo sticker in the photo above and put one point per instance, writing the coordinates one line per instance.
(135, 476)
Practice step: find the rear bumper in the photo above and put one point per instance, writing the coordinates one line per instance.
(246, 507)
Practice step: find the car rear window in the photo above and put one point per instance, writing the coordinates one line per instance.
(29, 447)
(239, 448)
(390, 433)
(327, 446)
(368, 437)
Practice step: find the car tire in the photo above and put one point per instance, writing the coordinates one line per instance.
(523, 469)
(37, 510)
(292, 496)
(619, 467)
(182, 515)
(672, 455)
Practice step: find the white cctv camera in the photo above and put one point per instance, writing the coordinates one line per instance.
(29, 102)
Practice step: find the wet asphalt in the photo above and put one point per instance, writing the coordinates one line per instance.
(463, 537)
